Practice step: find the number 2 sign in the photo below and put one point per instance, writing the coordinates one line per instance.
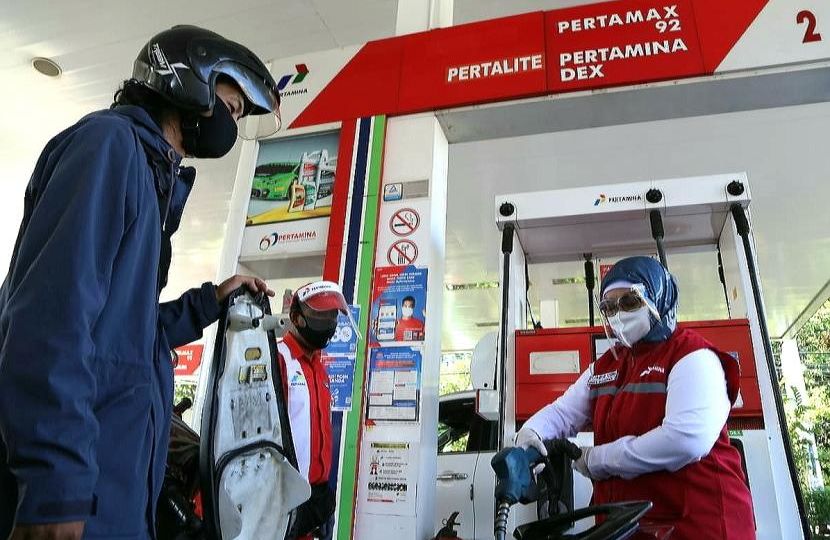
(810, 33)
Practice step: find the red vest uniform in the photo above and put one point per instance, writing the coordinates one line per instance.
(706, 500)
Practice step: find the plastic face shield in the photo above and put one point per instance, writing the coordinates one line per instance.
(319, 305)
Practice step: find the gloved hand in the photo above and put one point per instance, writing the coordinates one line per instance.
(527, 438)
(565, 447)
(581, 464)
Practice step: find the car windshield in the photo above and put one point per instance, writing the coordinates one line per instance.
(275, 168)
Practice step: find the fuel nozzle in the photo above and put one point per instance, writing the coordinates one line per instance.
(514, 483)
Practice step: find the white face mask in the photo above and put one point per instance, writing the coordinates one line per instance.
(631, 326)
(407, 311)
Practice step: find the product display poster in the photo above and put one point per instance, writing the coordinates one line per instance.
(339, 359)
(398, 305)
(389, 487)
(394, 384)
(293, 179)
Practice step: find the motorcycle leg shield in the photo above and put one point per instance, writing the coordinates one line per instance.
(250, 482)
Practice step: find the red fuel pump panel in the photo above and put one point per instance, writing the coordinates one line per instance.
(548, 361)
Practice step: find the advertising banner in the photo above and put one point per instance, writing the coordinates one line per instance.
(294, 179)
(398, 305)
(189, 359)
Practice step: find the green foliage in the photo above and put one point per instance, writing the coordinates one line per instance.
(811, 413)
(183, 390)
(455, 372)
(818, 504)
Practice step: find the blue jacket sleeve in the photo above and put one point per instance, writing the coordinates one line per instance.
(184, 319)
(54, 298)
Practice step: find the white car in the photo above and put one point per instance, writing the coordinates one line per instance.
(466, 444)
(466, 482)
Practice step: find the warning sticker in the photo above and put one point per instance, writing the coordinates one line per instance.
(402, 253)
(404, 222)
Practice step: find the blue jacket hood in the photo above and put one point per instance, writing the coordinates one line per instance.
(150, 133)
(660, 291)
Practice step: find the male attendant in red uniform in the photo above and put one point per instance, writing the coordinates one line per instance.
(409, 327)
(313, 313)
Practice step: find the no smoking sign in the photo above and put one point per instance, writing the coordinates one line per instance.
(404, 222)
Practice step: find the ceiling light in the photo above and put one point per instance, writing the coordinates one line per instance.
(568, 281)
(46, 66)
(481, 285)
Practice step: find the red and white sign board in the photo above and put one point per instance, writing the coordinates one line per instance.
(303, 78)
(402, 235)
(473, 63)
(190, 358)
(586, 47)
(286, 239)
(616, 43)
(784, 32)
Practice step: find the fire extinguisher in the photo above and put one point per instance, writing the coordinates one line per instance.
(447, 532)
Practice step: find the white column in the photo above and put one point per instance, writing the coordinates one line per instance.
(416, 151)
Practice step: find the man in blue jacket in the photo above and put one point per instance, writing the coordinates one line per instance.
(86, 376)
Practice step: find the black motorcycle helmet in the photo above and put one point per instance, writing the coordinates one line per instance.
(183, 63)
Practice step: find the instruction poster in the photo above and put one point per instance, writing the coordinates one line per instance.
(390, 484)
(398, 305)
(339, 360)
(394, 384)
(293, 179)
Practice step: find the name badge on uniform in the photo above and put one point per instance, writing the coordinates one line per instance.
(603, 378)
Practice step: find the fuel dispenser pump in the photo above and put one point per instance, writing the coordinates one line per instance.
(535, 366)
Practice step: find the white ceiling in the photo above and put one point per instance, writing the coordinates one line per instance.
(95, 42)
(781, 149)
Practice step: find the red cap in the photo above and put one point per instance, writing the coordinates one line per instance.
(322, 296)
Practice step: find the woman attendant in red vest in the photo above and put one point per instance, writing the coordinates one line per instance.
(658, 403)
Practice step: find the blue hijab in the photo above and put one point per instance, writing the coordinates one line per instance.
(660, 291)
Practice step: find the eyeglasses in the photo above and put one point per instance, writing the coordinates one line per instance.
(630, 301)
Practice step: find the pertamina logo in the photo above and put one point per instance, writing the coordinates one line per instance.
(653, 369)
(298, 379)
(602, 199)
(293, 79)
(270, 240)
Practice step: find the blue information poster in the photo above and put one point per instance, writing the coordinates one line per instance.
(339, 359)
(394, 384)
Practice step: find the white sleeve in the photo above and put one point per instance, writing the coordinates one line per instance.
(697, 407)
(568, 414)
